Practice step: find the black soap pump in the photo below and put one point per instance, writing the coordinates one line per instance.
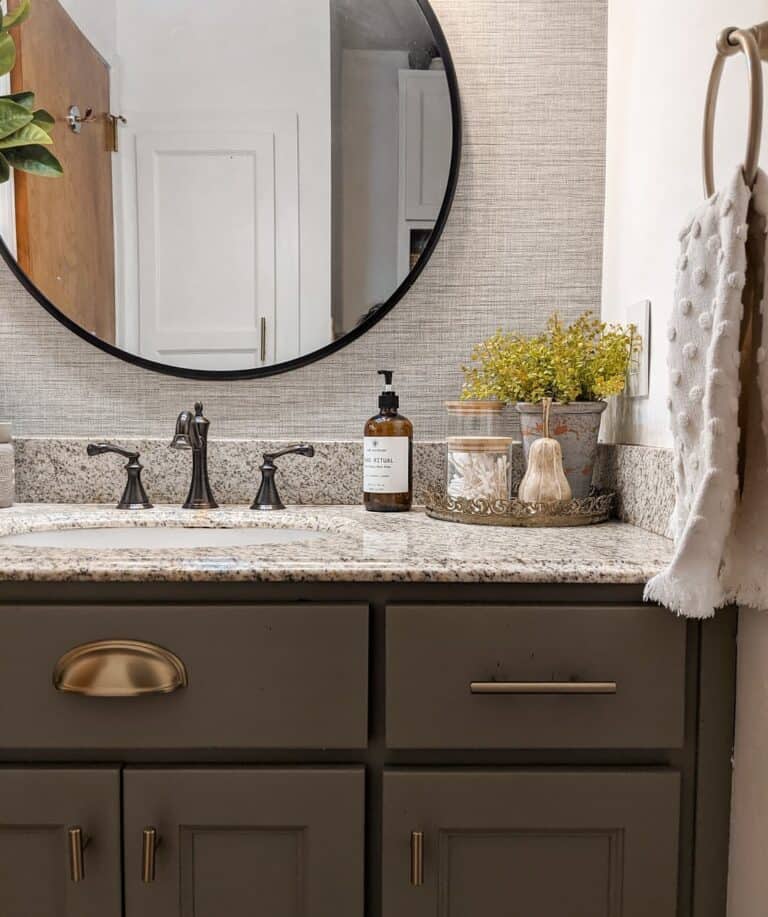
(388, 455)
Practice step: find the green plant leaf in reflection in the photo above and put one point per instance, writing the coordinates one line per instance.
(24, 132)
(13, 117)
(17, 16)
(27, 135)
(34, 159)
(7, 53)
(27, 99)
(44, 119)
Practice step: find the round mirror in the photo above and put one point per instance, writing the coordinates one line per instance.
(223, 191)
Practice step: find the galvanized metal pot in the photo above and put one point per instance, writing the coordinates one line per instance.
(575, 426)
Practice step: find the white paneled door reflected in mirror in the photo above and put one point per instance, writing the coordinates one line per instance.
(230, 189)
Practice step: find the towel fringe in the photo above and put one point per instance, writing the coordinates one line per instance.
(678, 597)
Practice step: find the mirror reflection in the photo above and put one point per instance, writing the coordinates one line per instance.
(221, 187)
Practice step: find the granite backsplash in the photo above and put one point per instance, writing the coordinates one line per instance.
(57, 470)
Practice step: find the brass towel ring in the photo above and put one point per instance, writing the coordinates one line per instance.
(730, 42)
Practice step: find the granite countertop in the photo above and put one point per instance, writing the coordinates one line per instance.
(357, 547)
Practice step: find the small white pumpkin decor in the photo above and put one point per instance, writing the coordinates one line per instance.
(545, 480)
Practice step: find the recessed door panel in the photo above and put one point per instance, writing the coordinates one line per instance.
(244, 842)
(531, 843)
(249, 865)
(229, 179)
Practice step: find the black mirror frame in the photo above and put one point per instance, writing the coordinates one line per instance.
(359, 330)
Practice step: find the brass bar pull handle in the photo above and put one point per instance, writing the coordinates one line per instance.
(119, 668)
(149, 844)
(77, 844)
(417, 859)
(543, 687)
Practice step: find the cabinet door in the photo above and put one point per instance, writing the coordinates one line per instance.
(247, 841)
(38, 810)
(427, 125)
(531, 843)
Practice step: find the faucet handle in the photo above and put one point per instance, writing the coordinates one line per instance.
(134, 496)
(104, 448)
(300, 449)
(268, 498)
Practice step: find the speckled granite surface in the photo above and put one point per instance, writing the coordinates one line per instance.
(357, 547)
(57, 470)
(644, 479)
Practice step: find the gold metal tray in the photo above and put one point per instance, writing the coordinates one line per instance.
(597, 507)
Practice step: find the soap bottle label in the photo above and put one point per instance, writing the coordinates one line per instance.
(385, 464)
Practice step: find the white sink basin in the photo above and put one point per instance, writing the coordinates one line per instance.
(159, 537)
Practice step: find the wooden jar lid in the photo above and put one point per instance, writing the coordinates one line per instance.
(474, 407)
(479, 443)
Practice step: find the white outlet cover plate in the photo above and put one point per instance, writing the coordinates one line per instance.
(639, 315)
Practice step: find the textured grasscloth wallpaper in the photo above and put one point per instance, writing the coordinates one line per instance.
(524, 238)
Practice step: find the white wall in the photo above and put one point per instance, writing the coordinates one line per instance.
(184, 56)
(659, 58)
(97, 20)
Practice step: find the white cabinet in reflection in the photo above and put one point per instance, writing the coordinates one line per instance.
(208, 251)
(425, 158)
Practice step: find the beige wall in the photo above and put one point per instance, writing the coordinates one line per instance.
(660, 54)
(525, 237)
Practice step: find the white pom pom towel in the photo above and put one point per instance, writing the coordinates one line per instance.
(716, 562)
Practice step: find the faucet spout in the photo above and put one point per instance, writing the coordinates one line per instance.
(192, 434)
(187, 435)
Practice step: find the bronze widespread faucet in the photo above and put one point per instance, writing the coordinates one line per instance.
(192, 434)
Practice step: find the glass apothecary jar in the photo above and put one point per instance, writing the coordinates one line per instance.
(474, 418)
(479, 467)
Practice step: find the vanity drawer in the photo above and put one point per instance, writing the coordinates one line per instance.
(466, 676)
(258, 677)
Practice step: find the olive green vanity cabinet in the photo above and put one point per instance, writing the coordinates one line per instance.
(380, 750)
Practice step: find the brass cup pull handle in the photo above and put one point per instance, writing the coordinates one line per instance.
(77, 844)
(417, 859)
(119, 668)
(543, 687)
(150, 841)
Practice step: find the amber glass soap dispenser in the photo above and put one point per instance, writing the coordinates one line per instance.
(388, 455)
